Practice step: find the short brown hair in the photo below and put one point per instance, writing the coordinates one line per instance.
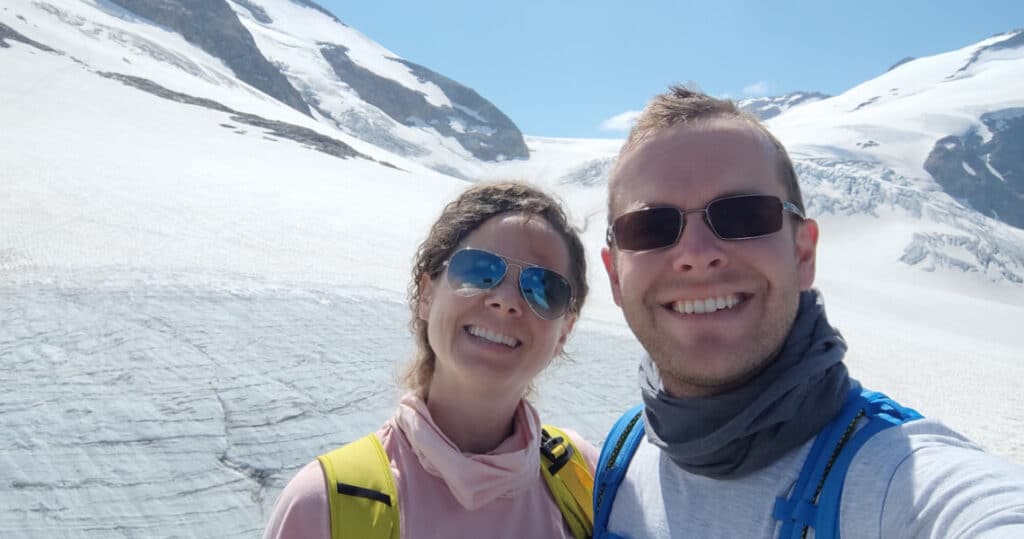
(457, 221)
(683, 106)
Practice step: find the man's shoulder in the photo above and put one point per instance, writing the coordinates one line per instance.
(923, 476)
(916, 453)
(923, 438)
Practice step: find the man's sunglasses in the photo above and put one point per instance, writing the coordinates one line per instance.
(471, 271)
(740, 217)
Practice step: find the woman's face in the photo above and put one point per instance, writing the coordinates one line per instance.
(491, 339)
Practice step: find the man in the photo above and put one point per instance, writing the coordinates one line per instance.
(712, 262)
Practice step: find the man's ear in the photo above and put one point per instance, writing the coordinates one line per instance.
(608, 257)
(806, 252)
(426, 297)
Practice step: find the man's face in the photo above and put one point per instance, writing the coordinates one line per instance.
(708, 353)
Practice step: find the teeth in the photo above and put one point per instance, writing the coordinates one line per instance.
(706, 306)
(489, 335)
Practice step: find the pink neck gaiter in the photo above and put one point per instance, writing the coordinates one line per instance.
(474, 480)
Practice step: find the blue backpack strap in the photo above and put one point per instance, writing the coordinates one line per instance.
(616, 453)
(817, 494)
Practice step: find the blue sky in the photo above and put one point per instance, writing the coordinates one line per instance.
(563, 68)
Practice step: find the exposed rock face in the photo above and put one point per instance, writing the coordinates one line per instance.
(213, 26)
(770, 107)
(313, 5)
(257, 11)
(901, 62)
(474, 122)
(987, 175)
(487, 132)
(6, 32)
(1014, 39)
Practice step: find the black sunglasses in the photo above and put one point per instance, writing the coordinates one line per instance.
(471, 271)
(740, 217)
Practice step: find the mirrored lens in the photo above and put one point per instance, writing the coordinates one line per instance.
(745, 217)
(547, 292)
(472, 270)
(652, 228)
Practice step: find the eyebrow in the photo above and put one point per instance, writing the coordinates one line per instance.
(643, 204)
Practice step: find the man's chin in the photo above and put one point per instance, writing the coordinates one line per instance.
(703, 373)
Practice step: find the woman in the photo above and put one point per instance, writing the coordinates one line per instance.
(497, 287)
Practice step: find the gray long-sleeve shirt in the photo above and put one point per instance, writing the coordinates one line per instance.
(920, 479)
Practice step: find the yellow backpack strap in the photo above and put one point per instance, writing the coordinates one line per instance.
(569, 479)
(361, 490)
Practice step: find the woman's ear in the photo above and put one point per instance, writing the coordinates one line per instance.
(426, 297)
(568, 324)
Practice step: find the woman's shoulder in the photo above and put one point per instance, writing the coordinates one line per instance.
(302, 509)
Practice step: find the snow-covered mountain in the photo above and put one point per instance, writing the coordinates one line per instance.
(372, 93)
(292, 52)
(771, 106)
(952, 122)
(202, 282)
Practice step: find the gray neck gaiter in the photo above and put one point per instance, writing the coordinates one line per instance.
(739, 432)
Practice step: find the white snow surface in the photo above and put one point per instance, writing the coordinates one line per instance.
(191, 309)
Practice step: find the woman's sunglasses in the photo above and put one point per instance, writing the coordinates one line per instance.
(471, 271)
(732, 218)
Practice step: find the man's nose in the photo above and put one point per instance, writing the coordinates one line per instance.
(698, 248)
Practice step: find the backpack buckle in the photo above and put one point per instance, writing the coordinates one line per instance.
(555, 450)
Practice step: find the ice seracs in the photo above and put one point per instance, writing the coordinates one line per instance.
(706, 306)
(492, 336)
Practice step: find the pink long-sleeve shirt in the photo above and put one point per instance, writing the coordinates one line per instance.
(443, 492)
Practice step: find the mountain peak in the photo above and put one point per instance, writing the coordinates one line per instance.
(765, 108)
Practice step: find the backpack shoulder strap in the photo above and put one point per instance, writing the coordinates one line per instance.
(361, 490)
(569, 479)
(817, 496)
(617, 451)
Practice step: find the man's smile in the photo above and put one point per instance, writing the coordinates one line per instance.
(706, 305)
